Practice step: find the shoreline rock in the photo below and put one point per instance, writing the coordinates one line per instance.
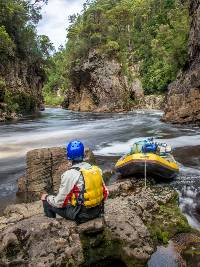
(135, 222)
(15, 117)
(127, 232)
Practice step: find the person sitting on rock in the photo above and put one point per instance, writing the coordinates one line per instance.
(82, 190)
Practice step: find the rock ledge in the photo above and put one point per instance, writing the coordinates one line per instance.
(131, 228)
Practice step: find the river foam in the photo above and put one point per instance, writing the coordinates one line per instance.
(118, 148)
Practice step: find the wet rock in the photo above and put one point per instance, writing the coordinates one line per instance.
(21, 184)
(192, 256)
(44, 169)
(183, 99)
(134, 223)
(183, 250)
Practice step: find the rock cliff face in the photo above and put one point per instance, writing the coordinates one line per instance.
(183, 99)
(135, 220)
(22, 84)
(99, 85)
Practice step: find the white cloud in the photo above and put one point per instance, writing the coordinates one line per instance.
(55, 19)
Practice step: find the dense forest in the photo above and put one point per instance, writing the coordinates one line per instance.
(23, 56)
(152, 34)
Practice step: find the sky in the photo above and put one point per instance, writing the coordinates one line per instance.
(55, 19)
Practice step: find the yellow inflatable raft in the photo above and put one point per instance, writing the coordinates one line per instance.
(156, 166)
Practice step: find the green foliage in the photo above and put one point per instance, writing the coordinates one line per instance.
(7, 46)
(53, 100)
(168, 51)
(111, 47)
(152, 33)
(2, 89)
(18, 36)
(21, 102)
(19, 42)
(57, 75)
(10, 100)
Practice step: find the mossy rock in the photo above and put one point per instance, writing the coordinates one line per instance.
(104, 250)
(168, 221)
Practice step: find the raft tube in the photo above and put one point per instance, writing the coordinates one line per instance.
(156, 166)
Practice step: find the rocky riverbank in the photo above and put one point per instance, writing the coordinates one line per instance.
(136, 220)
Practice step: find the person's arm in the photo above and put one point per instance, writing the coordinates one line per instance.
(68, 181)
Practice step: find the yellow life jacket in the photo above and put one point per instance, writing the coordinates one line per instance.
(93, 188)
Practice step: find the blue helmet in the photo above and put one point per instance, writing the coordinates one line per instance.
(75, 150)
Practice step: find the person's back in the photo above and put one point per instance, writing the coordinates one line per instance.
(82, 191)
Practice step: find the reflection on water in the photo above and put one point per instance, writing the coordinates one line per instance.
(107, 134)
(164, 257)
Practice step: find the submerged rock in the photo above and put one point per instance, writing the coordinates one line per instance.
(136, 220)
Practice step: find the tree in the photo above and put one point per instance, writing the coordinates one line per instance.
(152, 34)
(20, 43)
(7, 46)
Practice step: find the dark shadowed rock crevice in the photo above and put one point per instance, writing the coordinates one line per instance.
(183, 99)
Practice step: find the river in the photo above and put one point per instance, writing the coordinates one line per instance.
(106, 134)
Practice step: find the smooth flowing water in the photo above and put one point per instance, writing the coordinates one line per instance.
(107, 134)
